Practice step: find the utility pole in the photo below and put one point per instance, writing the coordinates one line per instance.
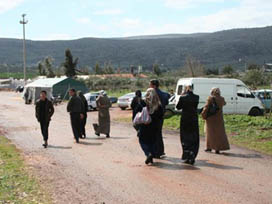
(24, 22)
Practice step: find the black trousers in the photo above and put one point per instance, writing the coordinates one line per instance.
(83, 124)
(44, 129)
(159, 145)
(76, 124)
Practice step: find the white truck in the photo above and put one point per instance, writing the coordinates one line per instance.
(238, 97)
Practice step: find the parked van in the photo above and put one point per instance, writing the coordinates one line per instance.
(239, 99)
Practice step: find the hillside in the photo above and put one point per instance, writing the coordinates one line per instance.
(212, 49)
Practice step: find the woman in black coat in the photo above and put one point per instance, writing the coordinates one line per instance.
(189, 128)
(147, 133)
(137, 103)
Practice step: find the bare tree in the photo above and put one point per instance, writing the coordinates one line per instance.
(194, 67)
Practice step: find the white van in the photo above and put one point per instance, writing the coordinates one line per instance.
(238, 97)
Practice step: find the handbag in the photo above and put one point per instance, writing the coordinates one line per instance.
(142, 118)
(213, 108)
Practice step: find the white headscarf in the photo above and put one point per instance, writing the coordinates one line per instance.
(152, 100)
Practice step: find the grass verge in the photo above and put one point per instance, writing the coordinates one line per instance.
(16, 184)
(254, 133)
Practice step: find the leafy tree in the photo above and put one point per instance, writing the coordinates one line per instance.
(212, 72)
(253, 67)
(48, 67)
(228, 70)
(254, 78)
(156, 69)
(70, 64)
(97, 69)
(108, 69)
(41, 69)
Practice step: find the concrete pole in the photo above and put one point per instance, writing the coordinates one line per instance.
(24, 22)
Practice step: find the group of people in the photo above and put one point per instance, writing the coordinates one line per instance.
(149, 134)
(77, 107)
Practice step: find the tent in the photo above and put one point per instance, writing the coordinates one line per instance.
(53, 86)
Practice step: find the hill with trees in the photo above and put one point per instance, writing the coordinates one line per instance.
(213, 50)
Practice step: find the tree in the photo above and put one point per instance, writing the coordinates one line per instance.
(156, 69)
(69, 64)
(41, 69)
(254, 78)
(48, 67)
(228, 70)
(108, 69)
(212, 71)
(194, 67)
(97, 69)
(253, 67)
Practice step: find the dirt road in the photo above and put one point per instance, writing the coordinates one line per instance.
(112, 170)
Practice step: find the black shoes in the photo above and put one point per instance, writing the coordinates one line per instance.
(149, 159)
(190, 161)
(97, 134)
(217, 152)
(45, 144)
(208, 150)
(108, 135)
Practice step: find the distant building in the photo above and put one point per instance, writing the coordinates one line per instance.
(267, 67)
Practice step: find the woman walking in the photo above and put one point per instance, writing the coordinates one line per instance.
(147, 132)
(137, 104)
(103, 105)
(216, 137)
(189, 129)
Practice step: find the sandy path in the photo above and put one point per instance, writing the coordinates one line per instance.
(112, 170)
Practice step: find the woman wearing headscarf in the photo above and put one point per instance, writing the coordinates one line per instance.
(103, 105)
(216, 137)
(189, 129)
(147, 132)
(137, 103)
(84, 120)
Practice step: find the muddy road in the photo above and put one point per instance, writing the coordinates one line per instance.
(100, 170)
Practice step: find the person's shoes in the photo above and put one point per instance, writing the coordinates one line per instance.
(189, 161)
(149, 159)
(108, 135)
(77, 140)
(208, 150)
(45, 144)
(97, 134)
(217, 152)
(84, 136)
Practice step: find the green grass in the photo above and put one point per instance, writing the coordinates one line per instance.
(17, 75)
(251, 132)
(118, 93)
(254, 133)
(16, 184)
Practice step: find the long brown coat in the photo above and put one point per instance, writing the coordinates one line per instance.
(103, 105)
(216, 137)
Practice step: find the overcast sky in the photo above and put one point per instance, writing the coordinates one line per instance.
(67, 19)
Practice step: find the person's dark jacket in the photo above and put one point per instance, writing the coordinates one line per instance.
(189, 117)
(137, 105)
(85, 103)
(48, 112)
(75, 105)
(148, 133)
(164, 98)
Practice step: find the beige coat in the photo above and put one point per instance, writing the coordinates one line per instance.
(103, 105)
(216, 137)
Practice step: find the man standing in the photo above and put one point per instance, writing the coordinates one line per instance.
(44, 111)
(164, 97)
(103, 105)
(84, 120)
(189, 128)
(76, 109)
